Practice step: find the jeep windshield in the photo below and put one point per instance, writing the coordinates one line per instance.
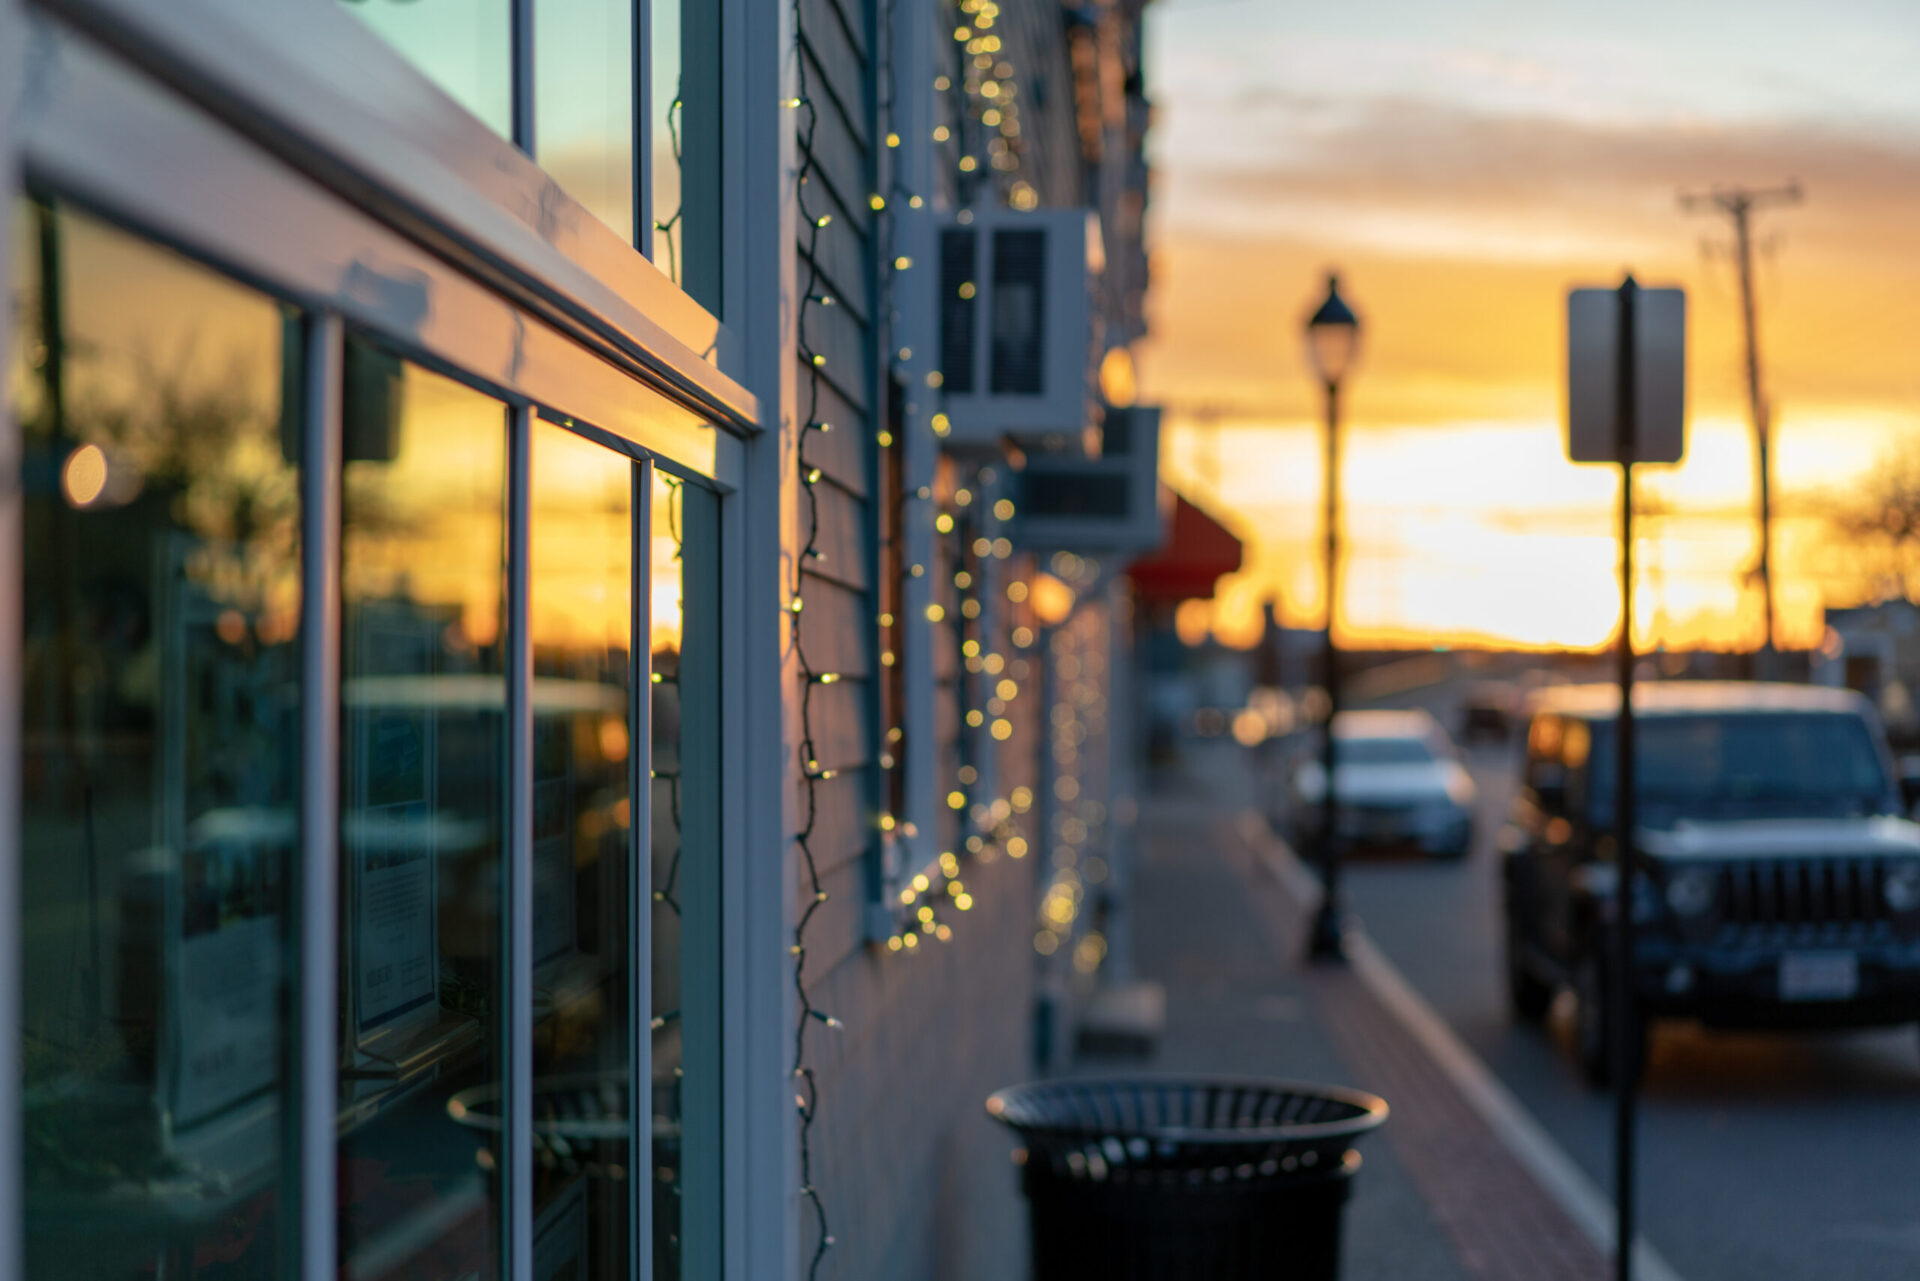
(1744, 765)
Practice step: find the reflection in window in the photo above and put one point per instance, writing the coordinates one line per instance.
(422, 785)
(160, 768)
(583, 103)
(686, 879)
(580, 549)
(464, 46)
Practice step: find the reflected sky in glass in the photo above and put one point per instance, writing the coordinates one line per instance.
(584, 103)
(464, 46)
(664, 113)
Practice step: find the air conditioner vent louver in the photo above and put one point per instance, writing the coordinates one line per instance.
(1019, 312)
(1095, 505)
(1013, 314)
(1101, 493)
(958, 247)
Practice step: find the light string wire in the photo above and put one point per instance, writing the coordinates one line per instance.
(670, 226)
(807, 1096)
(667, 893)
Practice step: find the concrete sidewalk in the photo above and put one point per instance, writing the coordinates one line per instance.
(1219, 920)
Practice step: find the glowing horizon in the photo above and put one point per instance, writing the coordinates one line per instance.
(1461, 190)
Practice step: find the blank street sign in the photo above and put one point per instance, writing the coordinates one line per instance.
(1659, 376)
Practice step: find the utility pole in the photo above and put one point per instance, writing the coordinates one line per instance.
(1739, 204)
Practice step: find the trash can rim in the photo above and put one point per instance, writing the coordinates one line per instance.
(1372, 1109)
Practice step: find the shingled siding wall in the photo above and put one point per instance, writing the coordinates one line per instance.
(916, 1181)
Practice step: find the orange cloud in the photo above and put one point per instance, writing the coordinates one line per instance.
(1457, 233)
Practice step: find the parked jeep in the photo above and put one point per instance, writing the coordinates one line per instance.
(1780, 881)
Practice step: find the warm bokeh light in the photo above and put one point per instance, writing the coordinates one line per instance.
(1052, 599)
(84, 476)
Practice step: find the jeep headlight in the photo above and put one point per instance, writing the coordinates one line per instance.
(1690, 891)
(1902, 887)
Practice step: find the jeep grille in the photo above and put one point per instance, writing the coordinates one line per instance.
(1804, 898)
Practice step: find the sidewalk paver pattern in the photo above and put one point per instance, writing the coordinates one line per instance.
(1439, 1197)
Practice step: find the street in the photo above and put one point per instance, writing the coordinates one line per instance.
(1761, 1155)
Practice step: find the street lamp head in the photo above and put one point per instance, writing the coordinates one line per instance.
(1333, 336)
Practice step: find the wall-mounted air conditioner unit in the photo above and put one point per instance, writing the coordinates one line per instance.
(1014, 322)
(1068, 502)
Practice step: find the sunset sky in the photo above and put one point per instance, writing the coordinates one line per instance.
(1462, 165)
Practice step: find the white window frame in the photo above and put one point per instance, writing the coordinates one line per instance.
(149, 144)
(330, 98)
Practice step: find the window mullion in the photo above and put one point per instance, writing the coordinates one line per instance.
(316, 1058)
(643, 127)
(523, 75)
(517, 911)
(640, 886)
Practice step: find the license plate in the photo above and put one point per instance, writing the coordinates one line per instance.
(1819, 976)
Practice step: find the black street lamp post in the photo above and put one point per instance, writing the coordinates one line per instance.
(1333, 339)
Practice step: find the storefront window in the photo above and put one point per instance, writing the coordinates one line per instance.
(686, 880)
(581, 562)
(423, 800)
(464, 46)
(584, 103)
(160, 716)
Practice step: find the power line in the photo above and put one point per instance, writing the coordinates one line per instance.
(1739, 205)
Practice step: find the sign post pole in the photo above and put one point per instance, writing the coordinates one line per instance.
(1626, 405)
(1625, 1057)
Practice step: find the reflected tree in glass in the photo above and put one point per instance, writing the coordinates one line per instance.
(160, 715)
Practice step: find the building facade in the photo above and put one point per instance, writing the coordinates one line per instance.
(546, 737)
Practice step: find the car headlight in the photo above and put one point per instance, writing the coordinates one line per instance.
(1690, 891)
(1902, 887)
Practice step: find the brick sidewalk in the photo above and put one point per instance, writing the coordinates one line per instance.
(1440, 1196)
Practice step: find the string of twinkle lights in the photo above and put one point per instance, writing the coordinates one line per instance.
(993, 823)
(667, 892)
(1078, 721)
(669, 227)
(987, 92)
(893, 753)
(807, 1088)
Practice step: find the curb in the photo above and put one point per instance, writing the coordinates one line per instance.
(1528, 1142)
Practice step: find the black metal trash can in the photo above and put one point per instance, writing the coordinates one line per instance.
(1158, 1179)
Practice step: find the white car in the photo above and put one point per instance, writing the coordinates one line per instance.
(1397, 782)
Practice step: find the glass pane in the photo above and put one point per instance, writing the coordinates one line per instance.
(422, 789)
(464, 46)
(666, 111)
(160, 766)
(583, 103)
(580, 548)
(686, 879)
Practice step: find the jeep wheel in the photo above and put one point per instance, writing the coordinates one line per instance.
(1593, 1027)
(1527, 994)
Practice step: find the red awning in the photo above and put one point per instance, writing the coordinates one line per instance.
(1197, 551)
